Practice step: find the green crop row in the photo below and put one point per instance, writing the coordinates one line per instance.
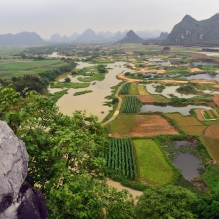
(131, 104)
(125, 89)
(120, 157)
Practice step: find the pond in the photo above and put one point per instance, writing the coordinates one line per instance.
(167, 91)
(91, 102)
(186, 162)
(204, 76)
(171, 109)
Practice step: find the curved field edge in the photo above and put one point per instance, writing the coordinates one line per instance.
(152, 165)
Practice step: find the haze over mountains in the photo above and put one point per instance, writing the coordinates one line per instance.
(188, 32)
(23, 38)
(90, 35)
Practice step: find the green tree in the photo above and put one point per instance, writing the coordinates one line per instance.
(67, 79)
(66, 157)
(207, 206)
(165, 202)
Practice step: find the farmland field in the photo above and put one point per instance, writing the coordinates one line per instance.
(131, 104)
(212, 145)
(140, 125)
(212, 131)
(190, 125)
(120, 157)
(18, 68)
(125, 89)
(134, 89)
(151, 164)
(216, 99)
(142, 90)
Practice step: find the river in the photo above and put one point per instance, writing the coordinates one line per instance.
(91, 102)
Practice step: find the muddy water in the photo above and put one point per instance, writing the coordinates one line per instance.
(118, 186)
(91, 102)
(187, 163)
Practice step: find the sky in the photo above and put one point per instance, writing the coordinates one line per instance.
(65, 17)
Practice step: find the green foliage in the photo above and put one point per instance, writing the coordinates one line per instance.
(82, 92)
(166, 202)
(131, 104)
(67, 79)
(66, 157)
(120, 157)
(102, 69)
(207, 206)
(70, 85)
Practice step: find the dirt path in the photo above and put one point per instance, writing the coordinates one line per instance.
(116, 113)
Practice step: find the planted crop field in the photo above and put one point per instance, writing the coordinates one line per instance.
(211, 114)
(190, 125)
(125, 89)
(131, 104)
(151, 164)
(212, 145)
(142, 90)
(9, 69)
(134, 89)
(141, 125)
(212, 131)
(121, 158)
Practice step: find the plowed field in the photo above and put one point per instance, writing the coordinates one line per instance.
(141, 125)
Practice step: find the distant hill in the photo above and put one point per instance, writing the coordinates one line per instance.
(146, 34)
(56, 38)
(131, 37)
(89, 35)
(23, 38)
(191, 32)
(159, 40)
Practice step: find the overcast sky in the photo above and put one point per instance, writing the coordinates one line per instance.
(65, 17)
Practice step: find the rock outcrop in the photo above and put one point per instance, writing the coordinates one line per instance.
(17, 201)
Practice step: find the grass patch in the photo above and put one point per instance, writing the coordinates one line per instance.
(160, 99)
(9, 69)
(57, 95)
(134, 89)
(151, 163)
(142, 90)
(70, 85)
(211, 177)
(82, 92)
(94, 77)
(189, 124)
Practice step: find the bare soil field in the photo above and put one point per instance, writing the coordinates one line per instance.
(212, 131)
(195, 70)
(145, 99)
(199, 114)
(216, 99)
(140, 126)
